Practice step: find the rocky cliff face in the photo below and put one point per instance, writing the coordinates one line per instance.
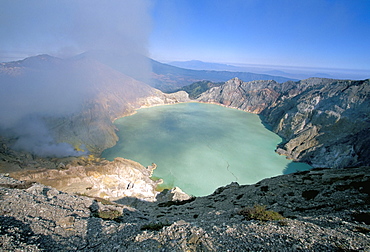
(324, 122)
(252, 96)
(104, 179)
(88, 175)
(329, 124)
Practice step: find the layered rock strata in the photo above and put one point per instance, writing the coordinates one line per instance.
(323, 122)
(111, 180)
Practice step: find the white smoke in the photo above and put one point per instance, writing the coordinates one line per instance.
(36, 139)
(52, 87)
(64, 28)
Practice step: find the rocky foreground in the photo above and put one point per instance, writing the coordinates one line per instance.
(324, 210)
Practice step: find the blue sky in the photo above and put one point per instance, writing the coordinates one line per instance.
(314, 33)
(307, 33)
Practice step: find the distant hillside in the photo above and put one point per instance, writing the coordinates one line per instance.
(169, 78)
(201, 65)
(197, 88)
(165, 77)
(294, 72)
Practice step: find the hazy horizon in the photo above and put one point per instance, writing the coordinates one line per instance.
(318, 33)
(299, 72)
(294, 72)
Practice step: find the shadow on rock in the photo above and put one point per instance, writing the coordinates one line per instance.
(20, 235)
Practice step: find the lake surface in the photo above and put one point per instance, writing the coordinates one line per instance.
(200, 147)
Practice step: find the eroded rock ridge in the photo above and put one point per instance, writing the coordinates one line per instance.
(323, 122)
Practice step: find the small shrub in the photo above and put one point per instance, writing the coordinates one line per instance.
(176, 202)
(98, 199)
(104, 201)
(108, 214)
(82, 194)
(259, 212)
(283, 223)
(155, 226)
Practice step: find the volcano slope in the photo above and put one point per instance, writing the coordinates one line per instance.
(73, 100)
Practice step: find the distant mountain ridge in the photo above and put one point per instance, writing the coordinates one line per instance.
(169, 78)
(165, 77)
(201, 65)
(258, 69)
(293, 72)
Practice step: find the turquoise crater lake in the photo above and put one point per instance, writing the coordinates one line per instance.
(200, 147)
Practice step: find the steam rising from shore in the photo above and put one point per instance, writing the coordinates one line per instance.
(37, 139)
(43, 86)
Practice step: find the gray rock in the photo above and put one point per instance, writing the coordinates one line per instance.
(111, 180)
(324, 122)
(326, 210)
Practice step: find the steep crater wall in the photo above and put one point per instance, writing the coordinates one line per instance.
(323, 122)
(93, 126)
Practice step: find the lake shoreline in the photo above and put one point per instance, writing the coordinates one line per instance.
(144, 124)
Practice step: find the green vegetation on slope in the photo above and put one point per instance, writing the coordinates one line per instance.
(259, 212)
(195, 89)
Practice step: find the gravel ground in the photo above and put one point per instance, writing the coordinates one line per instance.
(326, 210)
